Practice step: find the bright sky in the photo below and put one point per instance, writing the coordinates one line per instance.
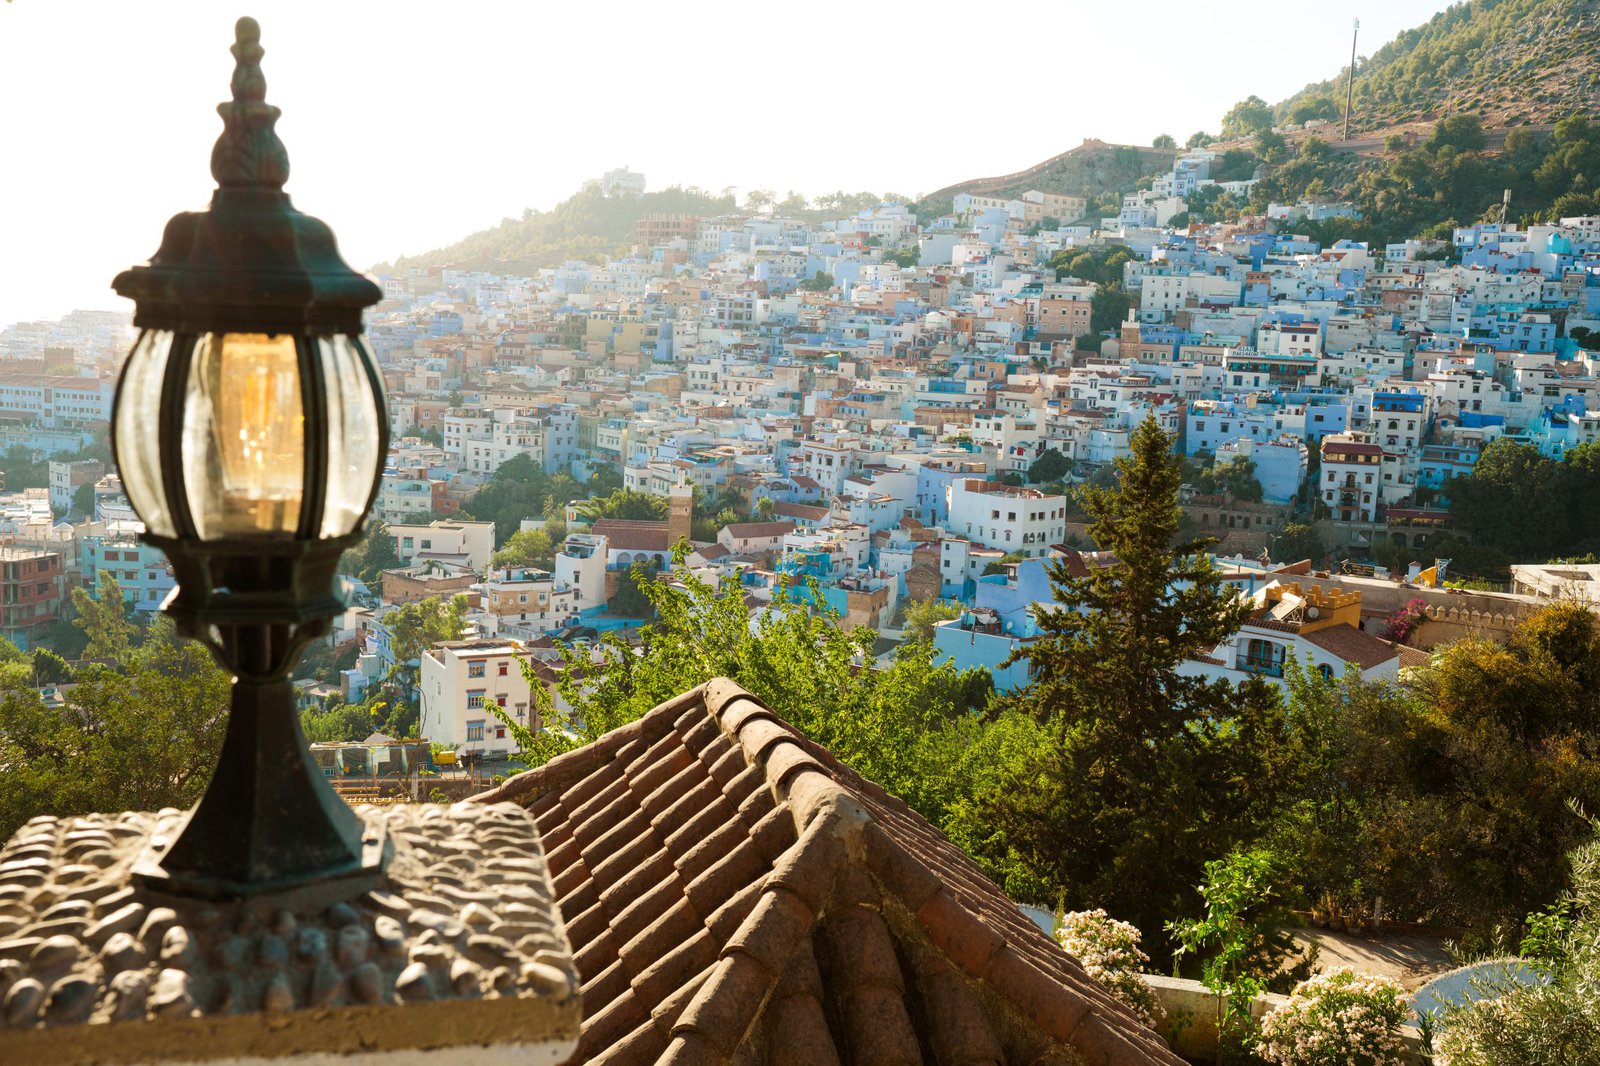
(412, 124)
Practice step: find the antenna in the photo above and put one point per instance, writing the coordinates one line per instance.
(1350, 82)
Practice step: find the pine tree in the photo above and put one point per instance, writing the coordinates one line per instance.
(1145, 772)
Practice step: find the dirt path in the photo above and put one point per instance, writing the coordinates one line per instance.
(1411, 960)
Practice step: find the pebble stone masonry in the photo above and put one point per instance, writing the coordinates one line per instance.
(460, 957)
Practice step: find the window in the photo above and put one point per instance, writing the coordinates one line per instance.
(503, 668)
(475, 730)
(475, 669)
(474, 699)
(500, 700)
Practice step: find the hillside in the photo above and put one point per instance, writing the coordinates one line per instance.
(1091, 168)
(586, 224)
(1509, 62)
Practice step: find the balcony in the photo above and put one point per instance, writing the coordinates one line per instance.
(1266, 665)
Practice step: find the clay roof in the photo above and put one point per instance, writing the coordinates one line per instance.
(630, 535)
(800, 511)
(1353, 645)
(758, 530)
(733, 893)
(1412, 657)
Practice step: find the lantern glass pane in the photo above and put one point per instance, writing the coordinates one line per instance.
(353, 433)
(244, 436)
(137, 421)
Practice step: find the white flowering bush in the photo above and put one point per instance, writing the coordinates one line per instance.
(1109, 951)
(1338, 1018)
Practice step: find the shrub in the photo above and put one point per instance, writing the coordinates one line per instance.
(1557, 1020)
(1523, 1027)
(1337, 1019)
(1109, 951)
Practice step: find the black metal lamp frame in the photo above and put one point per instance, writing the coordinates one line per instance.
(269, 821)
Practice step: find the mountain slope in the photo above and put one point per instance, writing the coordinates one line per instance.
(1510, 62)
(1090, 168)
(587, 223)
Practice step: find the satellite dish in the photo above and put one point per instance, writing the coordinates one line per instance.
(1313, 612)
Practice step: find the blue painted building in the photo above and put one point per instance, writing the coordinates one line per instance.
(1441, 462)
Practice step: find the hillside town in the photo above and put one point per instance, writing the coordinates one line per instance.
(1134, 610)
(893, 410)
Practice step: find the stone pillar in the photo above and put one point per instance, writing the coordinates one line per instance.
(460, 954)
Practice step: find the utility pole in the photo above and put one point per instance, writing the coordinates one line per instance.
(1350, 82)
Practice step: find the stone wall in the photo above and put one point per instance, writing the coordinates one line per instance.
(1190, 1026)
(1443, 624)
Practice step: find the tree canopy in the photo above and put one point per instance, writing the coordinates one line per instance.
(1143, 772)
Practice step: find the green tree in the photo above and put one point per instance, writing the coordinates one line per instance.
(1109, 307)
(82, 501)
(1299, 541)
(1475, 772)
(1051, 466)
(342, 723)
(374, 553)
(528, 547)
(139, 740)
(1463, 132)
(1144, 772)
(627, 504)
(1235, 476)
(1247, 117)
(1234, 935)
(1320, 107)
(821, 281)
(922, 616)
(1164, 140)
(631, 600)
(1513, 501)
(416, 626)
(1269, 145)
(104, 620)
(910, 726)
(50, 668)
(1558, 1019)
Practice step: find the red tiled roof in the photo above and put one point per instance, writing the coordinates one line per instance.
(1353, 645)
(733, 893)
(1410, 656)
(800, 511)
(758, 530)
(630, 535)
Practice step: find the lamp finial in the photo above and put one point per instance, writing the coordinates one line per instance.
(249, 152)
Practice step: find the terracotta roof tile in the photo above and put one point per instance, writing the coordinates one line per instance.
(641, 1047)
(670, 791)
(956, 1017)
(727, 1003)
(779, 922)
(688, 956)
(598, 954)
(693, 851)
(645, 909)
(800, 1033)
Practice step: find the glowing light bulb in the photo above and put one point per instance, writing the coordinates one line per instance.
(244, 446)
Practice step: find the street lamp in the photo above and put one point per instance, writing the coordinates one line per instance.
(250, 429)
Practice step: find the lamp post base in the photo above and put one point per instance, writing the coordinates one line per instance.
(269, 821)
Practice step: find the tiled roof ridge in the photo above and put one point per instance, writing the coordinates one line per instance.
(683, 965)
(971, 944)
(572, 766)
